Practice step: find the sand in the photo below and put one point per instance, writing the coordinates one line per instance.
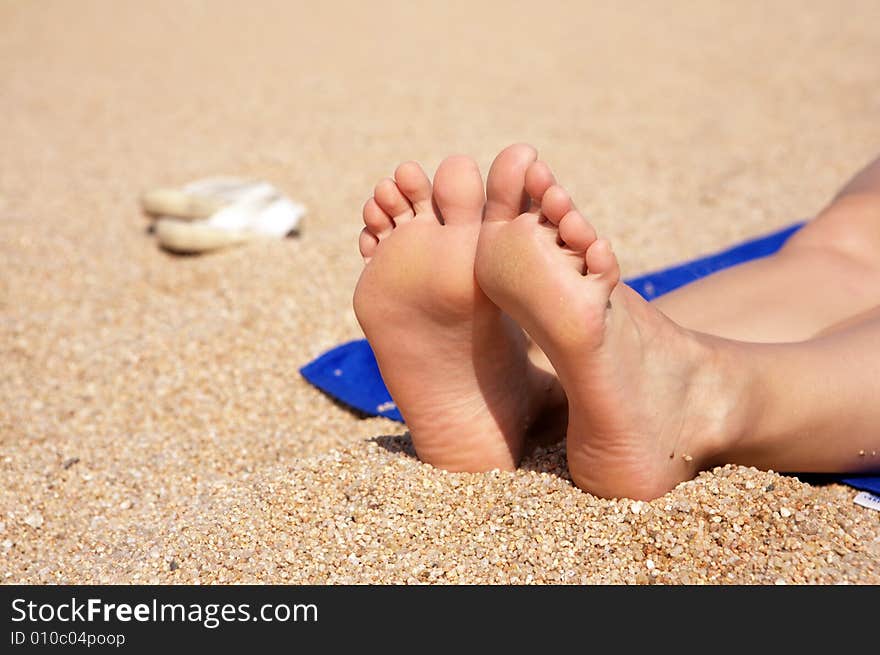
(153, 427)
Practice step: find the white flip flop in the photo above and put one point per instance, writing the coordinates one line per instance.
(213, 213)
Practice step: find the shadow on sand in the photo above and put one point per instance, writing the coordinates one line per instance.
(539, 459)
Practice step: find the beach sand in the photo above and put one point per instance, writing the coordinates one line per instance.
(153, 426)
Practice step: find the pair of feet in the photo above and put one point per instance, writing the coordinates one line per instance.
(455, 278)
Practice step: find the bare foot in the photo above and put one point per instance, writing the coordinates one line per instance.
(455, 365)
(646, 408)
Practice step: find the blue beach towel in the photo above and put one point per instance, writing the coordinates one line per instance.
(349, 372)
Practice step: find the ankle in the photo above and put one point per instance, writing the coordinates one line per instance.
(722, 391)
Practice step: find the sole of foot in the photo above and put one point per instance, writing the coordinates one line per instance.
(647, 399)
(455, 365)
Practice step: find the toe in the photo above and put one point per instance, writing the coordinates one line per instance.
(506, 197)
(556, 203)
(415, 185)
(377, 221)
(576, 232)
(602, 262)
(390, 199)
(367, 244)
(458, 190)
(539, 178)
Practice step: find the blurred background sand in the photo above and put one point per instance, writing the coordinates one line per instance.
(153, 427)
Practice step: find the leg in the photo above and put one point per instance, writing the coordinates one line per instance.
(454, 364)
(810, 406)
(651, 402)
(828, 271)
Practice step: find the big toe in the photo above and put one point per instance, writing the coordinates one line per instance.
(506, 197)
(458, 190)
